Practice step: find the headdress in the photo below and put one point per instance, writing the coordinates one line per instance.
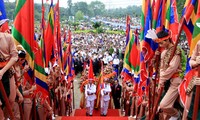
(159, 37)
(3, 21)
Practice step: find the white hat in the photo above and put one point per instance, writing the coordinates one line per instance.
(55, 64)
(3, 21)
(47, 71)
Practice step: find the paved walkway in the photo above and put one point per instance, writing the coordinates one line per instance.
(77, 93)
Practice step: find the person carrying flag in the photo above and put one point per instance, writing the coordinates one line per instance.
(190, 91)
(90, 91)
(8, 57)
(169, 72)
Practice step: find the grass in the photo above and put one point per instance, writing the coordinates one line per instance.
(94, 31)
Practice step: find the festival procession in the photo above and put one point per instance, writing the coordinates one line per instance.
(97, 60)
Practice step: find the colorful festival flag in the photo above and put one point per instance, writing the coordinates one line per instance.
(49, 36)
(23, 27)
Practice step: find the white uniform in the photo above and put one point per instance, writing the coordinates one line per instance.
(105, 98)
(90, 90)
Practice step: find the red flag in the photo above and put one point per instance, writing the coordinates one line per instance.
(49, 36)
(23, 28)
(58, 49)
(91, 73)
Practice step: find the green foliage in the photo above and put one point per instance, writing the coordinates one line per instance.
(84, 31)
(96, 8)
(74, 24)
(99, 30)
(96, 25)
(69, 3)
(121, 32)
(183, 62)
(80, 6)
(94, 31)
(180, 5)
(79, 16)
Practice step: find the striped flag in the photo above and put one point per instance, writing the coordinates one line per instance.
(148, 45)
(67, 56)
(126, 67)
(57, 35)
(171, 19)
(49, 36)
(196, 31)
(189, 14)
(142, 20)
(23, 27)
(40, 75)
(23, 32)
(132, 54)
(158, 15)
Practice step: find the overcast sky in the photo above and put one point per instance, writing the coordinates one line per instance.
(109, 3)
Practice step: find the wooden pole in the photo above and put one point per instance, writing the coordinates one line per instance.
(21, 111)
(34, 109)
(154, 82)
(3, 92)
(150, 102)
(156, 103)
(196, 100)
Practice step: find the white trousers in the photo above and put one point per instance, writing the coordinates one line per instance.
(90, 106)
(104, 107)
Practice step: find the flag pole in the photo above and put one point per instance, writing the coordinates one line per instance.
(196, 100)
(154, 81)
(3, 92)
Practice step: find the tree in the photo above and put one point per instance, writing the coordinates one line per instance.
(96, 25)
(79, 16)
(82, 6)
(69, 2)
(97, 8)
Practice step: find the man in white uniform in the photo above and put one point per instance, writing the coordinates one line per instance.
(90, 92)
(105, 97)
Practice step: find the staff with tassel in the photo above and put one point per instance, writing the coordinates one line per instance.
(173, 52)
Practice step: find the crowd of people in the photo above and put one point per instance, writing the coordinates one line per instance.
(101, 47)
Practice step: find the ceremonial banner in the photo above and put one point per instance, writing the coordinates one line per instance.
(23, 27)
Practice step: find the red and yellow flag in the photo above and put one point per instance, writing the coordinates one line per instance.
(49, 35)
(23, 27)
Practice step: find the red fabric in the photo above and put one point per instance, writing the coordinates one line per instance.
(91, 74)
(94, 118)
(49, 37)
(183, 86)
(5, 27)
(111, 112)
